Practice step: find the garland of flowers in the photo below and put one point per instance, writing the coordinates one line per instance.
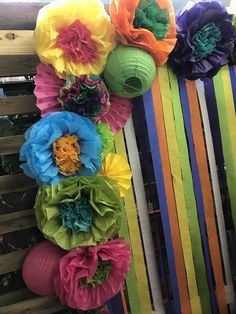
(83, 88)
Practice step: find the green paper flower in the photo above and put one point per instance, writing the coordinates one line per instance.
(102, 196)
(107, 138)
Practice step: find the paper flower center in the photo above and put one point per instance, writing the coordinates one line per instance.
(77, 44)
(149, 16)
(84, 95)
(101, 275)
(205, 40)
(77, 216)
(66, 152)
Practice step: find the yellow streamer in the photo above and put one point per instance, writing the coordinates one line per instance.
(135, 238)
(179, 188)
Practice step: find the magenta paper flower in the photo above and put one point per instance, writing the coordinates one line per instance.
(53, 95)
(90, 276)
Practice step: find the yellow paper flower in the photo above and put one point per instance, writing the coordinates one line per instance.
(117, 169)
(75, 36)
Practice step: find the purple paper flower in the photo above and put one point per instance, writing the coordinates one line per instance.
(205, 40)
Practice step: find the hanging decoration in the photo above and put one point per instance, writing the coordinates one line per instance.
(205, 40)
(129, 71)
(146, 24)
(60, 145)
(92, 66)
(90, 276)
(80, 211)
(74, 36)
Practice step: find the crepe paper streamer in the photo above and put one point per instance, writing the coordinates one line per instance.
(189, 195)
(158, 170)
(198, 189)
(176, 173)
(117, 169)
(216, 191)
(129, 71)
(175, 228)
(143, 216)
(215, 129)
(207, 196)
(227, 116)
(115, 305)
(135, 238)
(147, 168)
(233, 83)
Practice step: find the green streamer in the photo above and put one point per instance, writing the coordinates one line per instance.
(227, 140)
(190, 201)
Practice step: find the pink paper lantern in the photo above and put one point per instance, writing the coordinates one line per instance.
(40, 267)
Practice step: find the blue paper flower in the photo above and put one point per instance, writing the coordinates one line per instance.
(38, 154)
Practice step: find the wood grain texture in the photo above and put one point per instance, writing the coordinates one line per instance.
(18, 104)
(14, 42)
(37, 305)
(15, 296)
(20, 220)
(18, 65)
(16, 183)
(12, 261)
(21, 15)
(11, 144)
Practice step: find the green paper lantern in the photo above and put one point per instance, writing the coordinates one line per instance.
(129, 71)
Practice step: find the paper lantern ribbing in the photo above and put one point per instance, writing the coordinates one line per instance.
(129, 71)
(40, 267)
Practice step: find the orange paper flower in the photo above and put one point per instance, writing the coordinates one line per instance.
(123, 14)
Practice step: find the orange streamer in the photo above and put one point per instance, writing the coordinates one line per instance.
(207, 195)
(173, 218)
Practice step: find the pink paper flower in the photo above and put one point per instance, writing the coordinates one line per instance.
(90, 276)
(48, 91)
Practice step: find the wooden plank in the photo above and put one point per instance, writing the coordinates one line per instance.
(15, 296)
(12, 261)
(11, 144)
(14, 42)
(37, 305)
(16, 183)
(20, 220)
(20, 14)
(18, 104)
(18, 65)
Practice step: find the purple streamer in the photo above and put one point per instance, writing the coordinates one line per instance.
(155, 151)
(115, 305)
(197, 187)
(217, 143)
(233, 83)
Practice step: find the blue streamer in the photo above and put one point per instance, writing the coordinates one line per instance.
(197, 187)
(155, 150)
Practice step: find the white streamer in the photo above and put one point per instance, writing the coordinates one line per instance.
(143, 216)
(216, 193)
